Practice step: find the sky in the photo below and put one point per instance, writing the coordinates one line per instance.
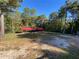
(44, 7)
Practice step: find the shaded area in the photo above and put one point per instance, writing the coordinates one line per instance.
(33, 35)
(73, 53)
(54, 39)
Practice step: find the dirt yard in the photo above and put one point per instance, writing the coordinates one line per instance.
(38, 45)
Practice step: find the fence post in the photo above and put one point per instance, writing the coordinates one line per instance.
(1, 26)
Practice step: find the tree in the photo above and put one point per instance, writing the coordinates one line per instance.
(16, 21)
(26, 16)
(7, 6)
(26, 12)
(32, 12)
(63, 15)
(40, 20)
(8, 22)
(13, 22)
(73, 8)
(53, 16)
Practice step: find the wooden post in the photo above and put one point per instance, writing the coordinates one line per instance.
(1, 26)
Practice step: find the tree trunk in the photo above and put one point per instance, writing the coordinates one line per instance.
(1, 26)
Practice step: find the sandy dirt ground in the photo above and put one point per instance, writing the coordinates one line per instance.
(36, 47)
